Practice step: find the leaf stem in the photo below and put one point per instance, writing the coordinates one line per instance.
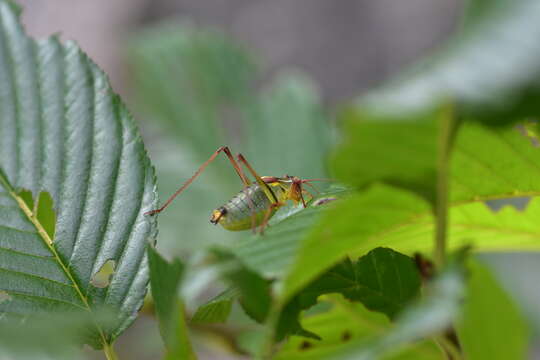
(446, 131)
(267, 348)
(108, 349)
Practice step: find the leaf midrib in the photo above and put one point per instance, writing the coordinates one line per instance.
(49, 242)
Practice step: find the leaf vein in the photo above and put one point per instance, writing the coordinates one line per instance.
(21, 294)
(34, 276)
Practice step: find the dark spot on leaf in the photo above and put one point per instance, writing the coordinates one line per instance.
(4, 296)
(529, 129)
(102, 278)
(305, 345)
(323, 201)
(346, 336)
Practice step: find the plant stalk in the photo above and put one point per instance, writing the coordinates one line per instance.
(446, 131)
(108, 349)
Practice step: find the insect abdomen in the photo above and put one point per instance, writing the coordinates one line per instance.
(238, 213)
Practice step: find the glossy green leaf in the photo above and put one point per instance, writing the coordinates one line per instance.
(492, 327)
(165, 279)
(383, 216)
(383, 280)
(490, 69)
(63, 131)
(363, 221)
(494, 163)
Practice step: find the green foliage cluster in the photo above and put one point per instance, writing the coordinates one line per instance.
(384, 266)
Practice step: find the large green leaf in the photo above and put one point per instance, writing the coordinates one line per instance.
(394, 223)
(487, 163)
(63, 131)
(489, 311)
(365, 221)
(383, 280)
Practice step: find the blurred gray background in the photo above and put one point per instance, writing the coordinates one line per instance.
(347, 46)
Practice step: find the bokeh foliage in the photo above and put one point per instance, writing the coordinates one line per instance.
(419, 158)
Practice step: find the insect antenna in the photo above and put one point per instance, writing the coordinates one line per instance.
(313, 187)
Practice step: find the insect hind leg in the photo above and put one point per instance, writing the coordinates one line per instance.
(235, 165)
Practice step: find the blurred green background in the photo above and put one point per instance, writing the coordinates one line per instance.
(263, 77)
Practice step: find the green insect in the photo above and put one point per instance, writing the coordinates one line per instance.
(257, 202)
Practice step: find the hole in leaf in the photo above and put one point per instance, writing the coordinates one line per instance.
(518, 203)
(346, 336)
(4, 296)
(102, 278)
(26, 196)
(529, 129)
(306, 345)
(45, 213)
(42, 209)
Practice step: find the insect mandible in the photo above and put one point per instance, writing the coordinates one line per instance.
(256, 203)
